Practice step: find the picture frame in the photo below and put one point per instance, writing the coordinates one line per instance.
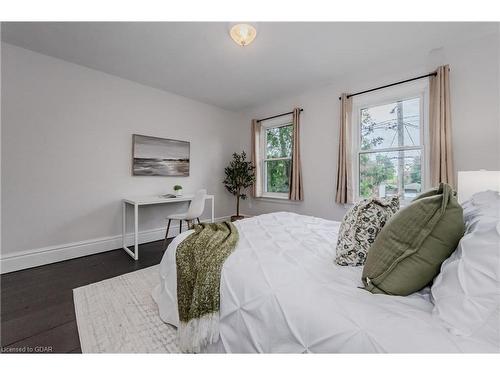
(155, 156)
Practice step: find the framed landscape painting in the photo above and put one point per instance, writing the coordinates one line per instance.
(154, 156)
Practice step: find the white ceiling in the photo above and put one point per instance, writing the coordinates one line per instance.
(200, 61)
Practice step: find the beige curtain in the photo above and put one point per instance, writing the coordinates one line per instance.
(257, 186)
(344, 167)
(296, 192)
(441, 156)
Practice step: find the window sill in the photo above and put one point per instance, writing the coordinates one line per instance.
(402, 203)
(275, 199)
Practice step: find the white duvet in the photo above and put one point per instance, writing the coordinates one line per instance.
(281, 292)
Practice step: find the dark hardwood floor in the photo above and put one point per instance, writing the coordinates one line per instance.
(37, 311)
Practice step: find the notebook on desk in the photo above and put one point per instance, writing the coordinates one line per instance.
(168, 196)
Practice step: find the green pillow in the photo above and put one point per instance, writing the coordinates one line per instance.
(408, 252)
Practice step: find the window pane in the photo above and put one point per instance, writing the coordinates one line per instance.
(384, 174)
(278, 175)
(391, 125)
(279, 142)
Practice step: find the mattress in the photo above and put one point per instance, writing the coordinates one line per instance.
(281, 292)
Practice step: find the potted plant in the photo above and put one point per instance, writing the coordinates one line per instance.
(178, 190)
(239, 176)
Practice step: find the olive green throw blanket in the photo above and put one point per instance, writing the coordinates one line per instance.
(199, 259)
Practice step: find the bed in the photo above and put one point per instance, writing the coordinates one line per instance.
(282, 293)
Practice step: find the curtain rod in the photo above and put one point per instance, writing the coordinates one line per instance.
(392, 84)
(283, 114)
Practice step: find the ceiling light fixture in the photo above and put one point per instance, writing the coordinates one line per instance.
(243, 33)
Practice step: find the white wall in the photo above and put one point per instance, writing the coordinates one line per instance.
(0, 140)
(66, 145)
(66, 155)
(475, 114)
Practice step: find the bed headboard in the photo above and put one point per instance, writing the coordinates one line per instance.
(471, 182)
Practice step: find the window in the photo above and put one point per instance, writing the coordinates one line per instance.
(277, 140)
(390, 147)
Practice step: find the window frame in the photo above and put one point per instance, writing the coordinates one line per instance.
(265, 125)
(406, 92)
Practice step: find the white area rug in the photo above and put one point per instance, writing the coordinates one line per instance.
(119, 315)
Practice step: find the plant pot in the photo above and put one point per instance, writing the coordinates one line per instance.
(236, 217)
(178, 193)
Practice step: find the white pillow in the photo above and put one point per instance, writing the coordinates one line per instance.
(466, 293)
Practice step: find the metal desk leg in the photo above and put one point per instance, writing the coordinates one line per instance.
(124, 231)
(124, 223)
(136, 231)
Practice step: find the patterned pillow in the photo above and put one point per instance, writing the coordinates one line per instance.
(360, 226)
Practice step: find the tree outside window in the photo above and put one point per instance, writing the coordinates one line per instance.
(390, 151)
(278, 158)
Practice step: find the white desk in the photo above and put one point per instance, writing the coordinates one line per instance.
(145, 201)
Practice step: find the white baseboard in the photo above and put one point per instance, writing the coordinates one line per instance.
(51, 254)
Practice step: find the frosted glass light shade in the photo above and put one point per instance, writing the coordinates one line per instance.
(243, 33)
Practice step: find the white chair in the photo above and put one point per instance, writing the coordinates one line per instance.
(195, 210)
